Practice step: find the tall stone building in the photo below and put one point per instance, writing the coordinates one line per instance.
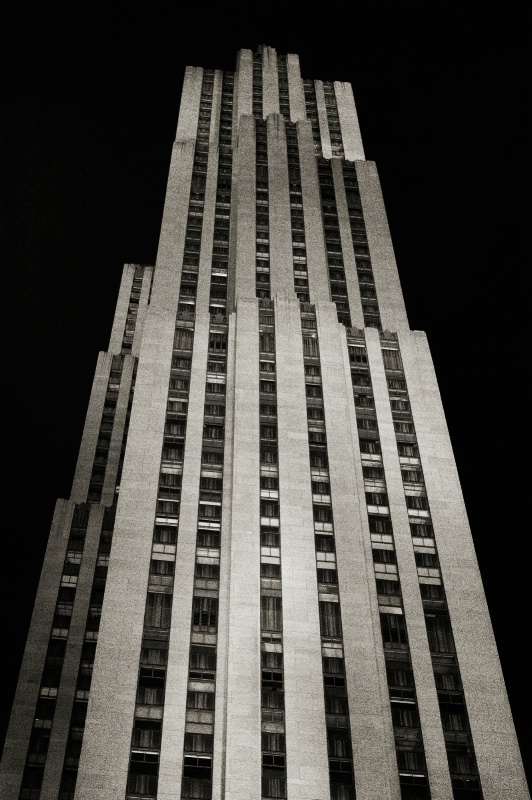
(263, 584)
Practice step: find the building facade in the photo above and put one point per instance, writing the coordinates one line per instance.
(263, 584)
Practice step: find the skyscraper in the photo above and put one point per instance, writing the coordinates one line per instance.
(291, 571)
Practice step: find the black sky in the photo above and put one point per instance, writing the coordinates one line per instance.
(89, 113)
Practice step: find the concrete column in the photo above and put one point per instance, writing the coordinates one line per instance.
(270, 82)
(119, 321)
(322, 119)
(306, 756)
(117, 434)
(220, 712)
(187, 125)
(243, 90)
(207, 236)
(318, 280)
(142, 310)
(429, 713)
(82, 475)
(375, 765)
(171, 758)
(104, 760)
(23, 711)
(167, 276)
(296, 95)
(69, 675)
(243, 197)
(494, 739)
(216, 107)
(243, 744)
(350, 267)
(281, 263)
(351, 138)
(387, 284)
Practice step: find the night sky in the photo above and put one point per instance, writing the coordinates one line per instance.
(89, 115)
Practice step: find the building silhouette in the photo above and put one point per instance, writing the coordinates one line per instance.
(263, 583)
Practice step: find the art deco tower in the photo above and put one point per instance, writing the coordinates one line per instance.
(263, 584)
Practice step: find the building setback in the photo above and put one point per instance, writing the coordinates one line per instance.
(263, 584)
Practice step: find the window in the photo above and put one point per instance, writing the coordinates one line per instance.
(204, 614)
(267, 343)
(439, 634)
(272, 698)
(403, 427)
(405, 717)
(142, 784)
(364, 401)
(273, 742)
(268, 455)
(367, 424)
(217, 342)
(408, 450)
(454, 722)
(196, 789)
(377, 498)
(213, 431)
(327, 576)
(215, 388)
(335, 705)
(310, 346)
(268, 432)
(393, 630)
(318, 459)
(158, 567)
(158, 610)
(422, 529)
(379, 525)
(208, 571)
(202, 663)
(273, 788)
(357, 355)
(412, 475)
(322, 514)
(396, 383)
(267, 482)
(198, 743)
(214, 410)
(269, 538)
(271, 614)
(388, 587)
(202, 700)
(373, 473)
(150, 695)
(426, 560)
(383, 556)
(391, 359)
(164, 535)
(183, 339)
(270, 571)
(330, 620)
(369, 446)
(416, 501)
(324, 544)
(431, 591)
(214, 457)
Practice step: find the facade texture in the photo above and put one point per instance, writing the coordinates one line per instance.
(263, 584)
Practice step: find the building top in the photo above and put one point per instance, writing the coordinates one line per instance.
(266, 83)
